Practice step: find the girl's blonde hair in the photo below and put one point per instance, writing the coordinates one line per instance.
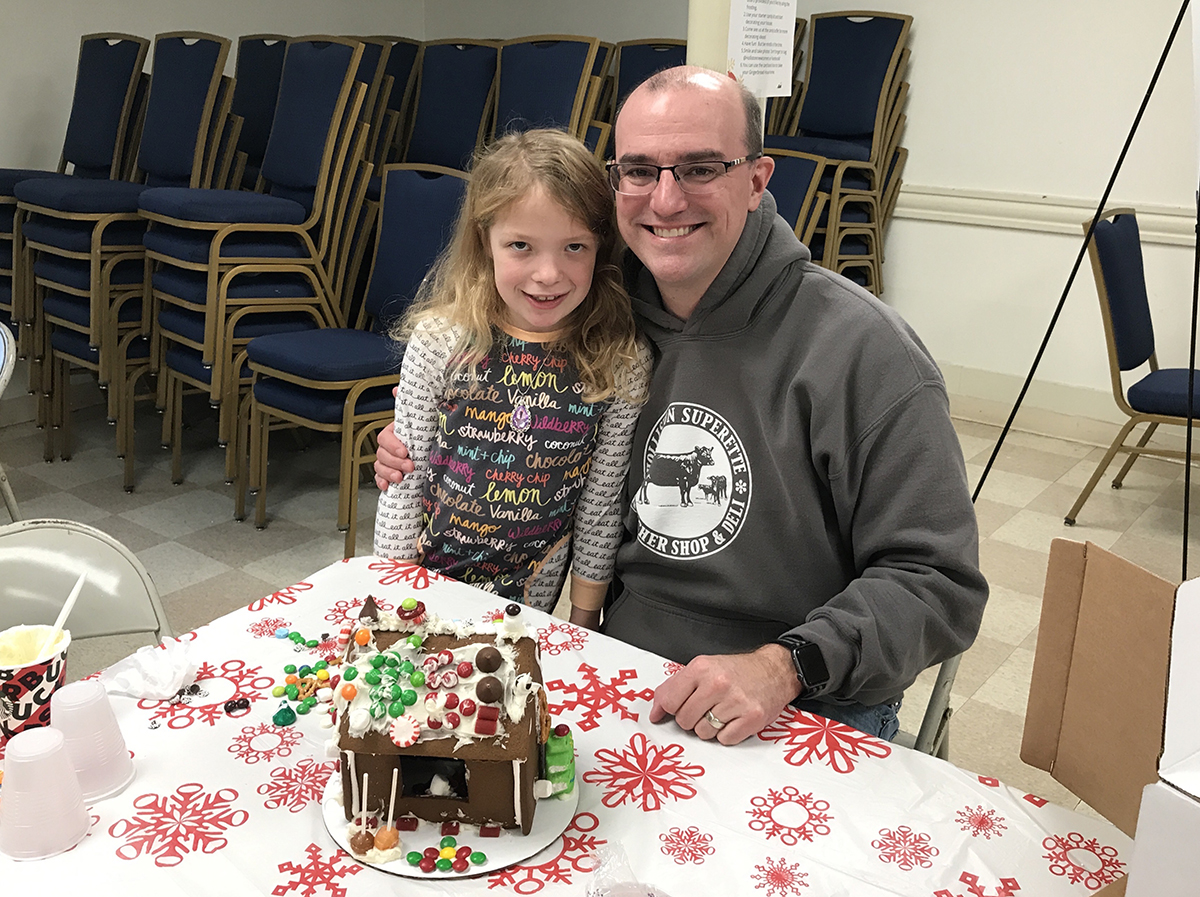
(599, 336)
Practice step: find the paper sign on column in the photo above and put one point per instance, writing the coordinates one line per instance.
(760, 45)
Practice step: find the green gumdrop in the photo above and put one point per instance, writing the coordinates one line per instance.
(277, 691)
(444, 865)
(351, 673)
(409, 697)
(448, 841)
(290, 668)
(417, 678)
(291, 691)
(396, 708)
(408, 603)
(373, 677)
(414, 858)
(284, 716)
(414, 640)
(478, 858)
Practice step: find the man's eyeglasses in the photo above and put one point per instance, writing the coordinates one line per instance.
(641, 178)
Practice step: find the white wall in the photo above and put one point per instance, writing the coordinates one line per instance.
(39, 46)
(609, 20)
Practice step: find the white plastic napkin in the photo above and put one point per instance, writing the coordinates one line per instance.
(152, 672)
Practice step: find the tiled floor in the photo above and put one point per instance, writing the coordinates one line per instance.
(206, 564)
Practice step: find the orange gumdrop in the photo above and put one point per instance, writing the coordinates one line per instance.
(349, 691)
(362, 637)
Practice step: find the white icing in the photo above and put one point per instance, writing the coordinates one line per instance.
(440, 787)
(516, 773)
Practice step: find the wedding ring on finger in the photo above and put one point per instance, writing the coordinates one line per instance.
(713, 721)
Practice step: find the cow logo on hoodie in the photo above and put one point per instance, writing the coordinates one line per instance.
(695, 484)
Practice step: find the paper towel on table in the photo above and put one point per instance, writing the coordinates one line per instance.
(152, 672)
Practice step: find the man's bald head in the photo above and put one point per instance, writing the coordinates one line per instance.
(693, 77)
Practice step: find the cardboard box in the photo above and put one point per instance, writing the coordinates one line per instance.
(1098, 694)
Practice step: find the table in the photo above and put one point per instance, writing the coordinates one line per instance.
(230, 804)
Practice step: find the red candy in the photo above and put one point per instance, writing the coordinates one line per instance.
(492, 713)
(465, 669)
(449, 827)
(451, 701)
(427, 865)
(463, 853)
(489, 831)
(460, 865)
(448, 678)
(433, 723)
(445, 657)
(561, 729)
(485, 726)
(452, 719)
(407, 823)
(430, 663)
(467, 707)
(431, 853)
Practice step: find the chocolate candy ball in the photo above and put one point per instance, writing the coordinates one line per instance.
(488, 659)
(361, 842)
(489, 690)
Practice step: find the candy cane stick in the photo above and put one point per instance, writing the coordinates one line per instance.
(392, 800)
(364, 804)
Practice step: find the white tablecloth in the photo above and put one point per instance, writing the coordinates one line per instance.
(230, 804)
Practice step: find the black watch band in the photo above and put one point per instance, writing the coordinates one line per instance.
(808, 661)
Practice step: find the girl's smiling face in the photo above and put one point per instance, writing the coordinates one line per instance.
(543, 259)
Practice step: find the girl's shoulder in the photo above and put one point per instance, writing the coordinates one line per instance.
(436, 334)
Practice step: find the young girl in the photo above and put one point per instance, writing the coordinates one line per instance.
(521, 385)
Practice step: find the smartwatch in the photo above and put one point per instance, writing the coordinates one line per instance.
(808, 661)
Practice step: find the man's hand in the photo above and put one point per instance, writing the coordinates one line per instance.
(392, 463)
(746, 692)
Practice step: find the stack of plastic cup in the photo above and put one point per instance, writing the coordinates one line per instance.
(81, 711)
(42, 813)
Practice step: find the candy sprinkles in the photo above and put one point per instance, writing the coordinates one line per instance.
(309, 686)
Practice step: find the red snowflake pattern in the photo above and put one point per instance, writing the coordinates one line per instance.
(789, 815)
(1008, 887)
(1038, 802)
(779, 877)
(267, 627)
(596, 696)
(394, 572)
(989, 781)
(979, 821)
(817, 738)
(343, 611)
(317, 872)
(687, 845)
(578, 843)
(213, 687)
(904, 847)
(644, 773)
(559, 637)
(295, 787)
(1082, 859)
(670, 667)
(264, 742)
(283, 596)
(170, 826)
(491, 615)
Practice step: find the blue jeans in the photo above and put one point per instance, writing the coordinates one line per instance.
(879, 720)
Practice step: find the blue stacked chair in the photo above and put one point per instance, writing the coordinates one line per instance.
(794, 185)
(106, 81)
(400, 87)
(454, 95)
(637, 60)
(542, 82)
(341, 380)
(226, 265)
(87, 233)
(258, 70)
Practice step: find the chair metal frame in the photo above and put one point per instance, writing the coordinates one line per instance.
(933, 737)
(8, 361)
(1152, 421)
(63, 549)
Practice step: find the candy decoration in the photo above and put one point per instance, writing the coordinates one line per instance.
(492, 713)
(445, 657)
(452, 719)
(284, 716)
(351, 672)
(430, 663)
(408, 603)
(404, 731)
(449, 829)
(349, 691)
(463, 852)
(451, 701)
(447, 853)
(414, 858)
(478, 857)
(362, 636)
(485, 727)
(361, 842)
(388, 836)
(433, 723)
(466, 708)
(281, 632)
(290, 668)
(449, 679)
(407, 824)
(427, 865)
(417, 678)
(414, 641)
(512, 610)
(489, 831)
(489, 690)
(432, 853)
(460, 865)
(277, 691)
(444, 865)
(465, 669)
(488, 659)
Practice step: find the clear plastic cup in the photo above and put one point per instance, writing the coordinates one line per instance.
(82, 712)
(27, 681)
(42, 812)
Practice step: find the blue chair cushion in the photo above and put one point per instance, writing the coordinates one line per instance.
(331, 354)
(322, 405)
(75, 273)
(10, 177)
(76, 236)
(1164, 391)
(223, 206)
(190, 324)
(188, 362)
(78, 309)
(6, 254)
(74, 344)
(80, 195)
(192, 286)
(192, 246)
(836, 148)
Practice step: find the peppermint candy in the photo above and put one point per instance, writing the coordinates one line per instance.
(404, 731)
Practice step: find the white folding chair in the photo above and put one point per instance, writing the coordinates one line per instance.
(934, 735)
(40, 560)
(8, 360)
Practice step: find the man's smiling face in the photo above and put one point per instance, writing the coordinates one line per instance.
(685, 239)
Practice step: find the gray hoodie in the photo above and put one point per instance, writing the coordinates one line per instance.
(796, 470)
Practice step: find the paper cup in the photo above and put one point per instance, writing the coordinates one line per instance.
(42, 813)
(27, 683)
(81, 711)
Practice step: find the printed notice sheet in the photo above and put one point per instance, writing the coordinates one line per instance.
(760, 45)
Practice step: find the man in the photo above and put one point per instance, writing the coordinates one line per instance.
(799, 523)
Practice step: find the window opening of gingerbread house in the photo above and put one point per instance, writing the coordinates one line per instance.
(442, 777)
